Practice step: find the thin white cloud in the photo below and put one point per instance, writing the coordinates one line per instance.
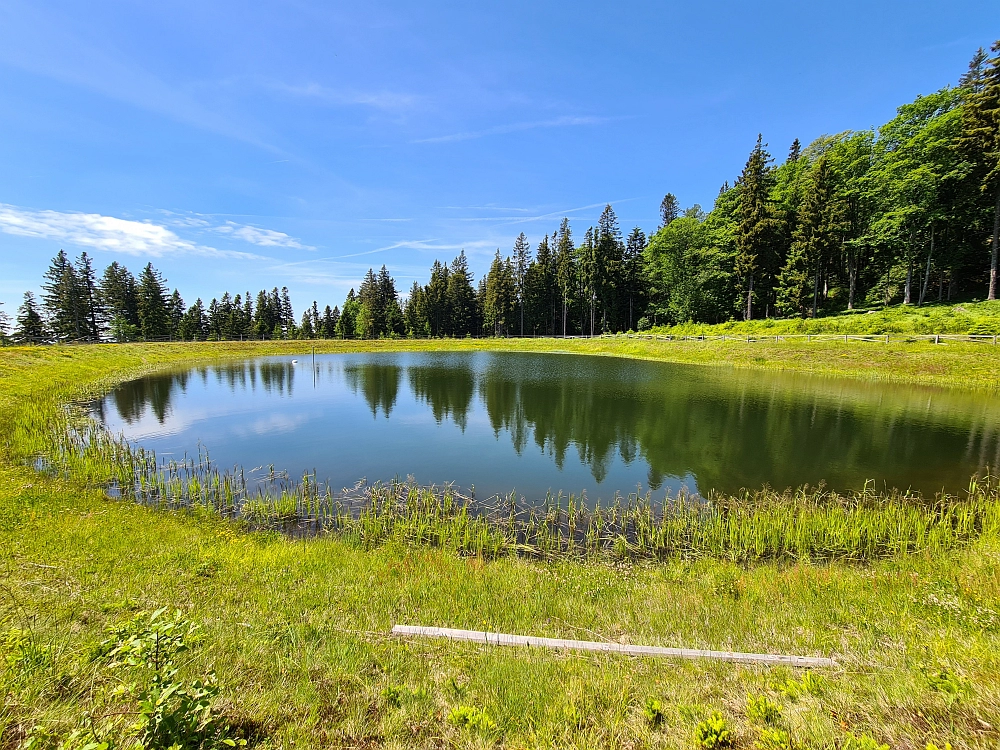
(258, 236)
(105, 233)
(385, 100)
(431, 245)
(516, 127)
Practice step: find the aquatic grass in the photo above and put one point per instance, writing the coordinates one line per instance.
(806, 523)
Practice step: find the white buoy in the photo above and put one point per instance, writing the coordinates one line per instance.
(295, 361)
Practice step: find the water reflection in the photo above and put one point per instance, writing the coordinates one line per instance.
(378, 383)
(623, 422)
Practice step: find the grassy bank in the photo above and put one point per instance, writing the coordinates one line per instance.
(296, 631)
(980, 318)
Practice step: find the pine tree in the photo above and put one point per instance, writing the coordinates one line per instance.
(415, 313)
(119, 300)
(193, 326)
(980, 139)
(30, 326)
(500, 299)
(519, 259)
(758, 230)
(287, 316)
(565, 268)
(633, 270)
(4, 327)
(670, 209)
(62, 300)
(89, 298)
(461, 297)
(347, 325)
(794, 152)
(607, 280)
(435, 301)
(175, 312)
(154, 317)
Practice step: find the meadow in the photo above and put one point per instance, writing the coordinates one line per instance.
(292, 645)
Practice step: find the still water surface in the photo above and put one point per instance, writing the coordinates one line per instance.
(538, 422)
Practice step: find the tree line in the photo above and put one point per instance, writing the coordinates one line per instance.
(907, 212)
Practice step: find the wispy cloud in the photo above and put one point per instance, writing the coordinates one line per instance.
(258, 236)
(106, 233)
(425, 245)
(517, 127)
(382, 99)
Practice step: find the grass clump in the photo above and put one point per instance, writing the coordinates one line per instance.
(473, 719)
(762, 710)
(713, 733)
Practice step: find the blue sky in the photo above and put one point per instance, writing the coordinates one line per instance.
(249, 145)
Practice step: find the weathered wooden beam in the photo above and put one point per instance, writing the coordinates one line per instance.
(505, 639)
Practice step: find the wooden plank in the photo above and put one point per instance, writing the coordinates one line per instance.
(505, 639)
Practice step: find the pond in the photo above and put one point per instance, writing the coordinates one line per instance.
(535, 423)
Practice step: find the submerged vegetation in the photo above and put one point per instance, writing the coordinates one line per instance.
(901, 590)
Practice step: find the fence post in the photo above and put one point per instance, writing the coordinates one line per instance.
(937, 339)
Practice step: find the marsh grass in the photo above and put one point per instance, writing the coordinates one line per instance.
(806, 523)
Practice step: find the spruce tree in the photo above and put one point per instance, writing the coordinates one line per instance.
(30, 326)
(119, 299)
(154, 316)
(794, 152)
(633, 270)
(175, 312)
(89, 298)
(979, 142)
(757, 234)
(4, 327)
(62, 300)
(519, 259)
(670, 209)
(565, 268)
(461, 297)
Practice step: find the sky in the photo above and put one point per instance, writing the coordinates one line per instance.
(240, 146)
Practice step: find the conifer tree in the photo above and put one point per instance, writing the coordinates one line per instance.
(980, 139)
(461, 297)
(61, 299)
(565, 268)
(192, 326)
(817, 238)
(435, 300)
(119, 299)
(175, 312)
(633, 269)
(758, 228)
(4, 326)
(154, 317)
(89, 298)
(670, 209)
(519, 259)
(30, 326)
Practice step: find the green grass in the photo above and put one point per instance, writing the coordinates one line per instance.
(978, 318)
(297, 630)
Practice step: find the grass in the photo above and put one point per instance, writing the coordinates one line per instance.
(977, 318)
(296, 631)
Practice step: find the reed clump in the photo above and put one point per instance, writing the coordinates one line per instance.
(806, 523)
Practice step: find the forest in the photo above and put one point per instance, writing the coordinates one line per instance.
(905, 213)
